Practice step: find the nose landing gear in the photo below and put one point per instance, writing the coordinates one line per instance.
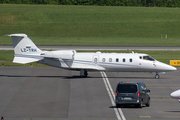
(157, 76)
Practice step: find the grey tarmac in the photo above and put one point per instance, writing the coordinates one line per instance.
(48, 93)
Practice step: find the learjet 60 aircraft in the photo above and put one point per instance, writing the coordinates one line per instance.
(176, 95)
(26, 52)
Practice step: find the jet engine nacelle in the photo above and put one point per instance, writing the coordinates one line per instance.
(63, 54)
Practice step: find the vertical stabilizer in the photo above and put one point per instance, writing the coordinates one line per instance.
(25, 50)
(23, 45)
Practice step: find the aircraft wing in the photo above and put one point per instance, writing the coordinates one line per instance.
(89, 67)
(66, 64)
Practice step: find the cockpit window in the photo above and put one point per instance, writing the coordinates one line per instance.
(148, 58)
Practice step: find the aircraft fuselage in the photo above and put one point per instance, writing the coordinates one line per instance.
(115, 62)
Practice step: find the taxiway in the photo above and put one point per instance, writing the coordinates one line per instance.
(35, 93)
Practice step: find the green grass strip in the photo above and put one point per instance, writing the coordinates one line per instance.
(91, 25)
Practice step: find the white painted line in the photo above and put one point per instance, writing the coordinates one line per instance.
(111, 98)
(118, 111)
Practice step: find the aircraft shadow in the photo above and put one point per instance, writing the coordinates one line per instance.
(31, 76)
(63, 77)
(75, 77)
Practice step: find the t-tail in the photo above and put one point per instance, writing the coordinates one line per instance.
(25, 50)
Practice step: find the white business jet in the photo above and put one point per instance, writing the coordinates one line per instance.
(26, 52)
(176, 95)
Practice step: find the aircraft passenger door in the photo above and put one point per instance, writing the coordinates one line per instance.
(95, 59)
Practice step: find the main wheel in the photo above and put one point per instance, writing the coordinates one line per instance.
(85, 73)
(148, 102)
(140, 104)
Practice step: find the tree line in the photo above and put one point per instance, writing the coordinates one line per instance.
(144, 3)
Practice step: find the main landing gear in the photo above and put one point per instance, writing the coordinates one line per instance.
(83, 73)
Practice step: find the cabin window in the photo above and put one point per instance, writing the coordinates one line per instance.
(140, 57)
(117, 60)
(110, 59)
(124, 60)
(130, 60)
(103, 60)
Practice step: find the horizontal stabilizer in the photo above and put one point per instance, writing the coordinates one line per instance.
(17, 35)
(24, 60)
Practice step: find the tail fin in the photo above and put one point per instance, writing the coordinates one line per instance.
(25, 50)
(23, 45)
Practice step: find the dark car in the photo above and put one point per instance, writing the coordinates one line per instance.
(132, 94)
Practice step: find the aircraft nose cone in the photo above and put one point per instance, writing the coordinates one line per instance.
(175, 94)
(166, 67)
(171, 68)
(172, 94)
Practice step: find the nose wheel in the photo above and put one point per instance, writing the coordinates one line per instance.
(157, 76)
